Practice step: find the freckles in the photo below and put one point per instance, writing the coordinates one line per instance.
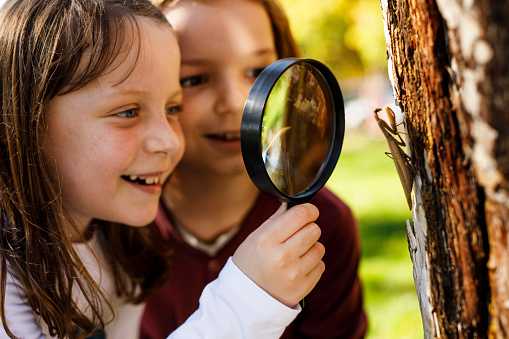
(108, 150)
(123, 144)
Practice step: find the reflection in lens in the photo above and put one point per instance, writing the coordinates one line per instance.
(296, 129)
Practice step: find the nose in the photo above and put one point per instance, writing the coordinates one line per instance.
(231, 95)
(164, 136)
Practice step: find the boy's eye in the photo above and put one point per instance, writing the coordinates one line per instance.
(130, 113)
(193, 81)
(255, 72)
(173, 110)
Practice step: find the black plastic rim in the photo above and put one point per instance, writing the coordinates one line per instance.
(251, 128)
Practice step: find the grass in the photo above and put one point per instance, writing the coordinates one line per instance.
(367, 180)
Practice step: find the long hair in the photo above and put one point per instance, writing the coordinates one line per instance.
(286, 47)
(48, 48)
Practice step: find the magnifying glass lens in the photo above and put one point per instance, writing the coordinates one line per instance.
(296, 130)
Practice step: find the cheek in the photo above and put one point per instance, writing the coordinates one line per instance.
(106, 154)
(191, 121)
(119, 143)
(177, 128)
(106, 145)
(197, 107)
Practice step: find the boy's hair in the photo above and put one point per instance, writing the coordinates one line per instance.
(49, 48)
(286, 47)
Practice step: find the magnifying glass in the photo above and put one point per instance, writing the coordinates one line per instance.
(292, 129)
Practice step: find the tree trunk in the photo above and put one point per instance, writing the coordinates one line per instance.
(448, 67)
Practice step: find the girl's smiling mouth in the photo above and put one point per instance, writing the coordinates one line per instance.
(143, 180)
(227, 136)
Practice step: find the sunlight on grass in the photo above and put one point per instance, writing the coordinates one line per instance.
(366, 179)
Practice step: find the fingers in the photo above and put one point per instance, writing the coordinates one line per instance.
(283, 226)
(312, 264)
(283, 256)
(301, 241)
(312, 259)
(311, 268)
(315, 274)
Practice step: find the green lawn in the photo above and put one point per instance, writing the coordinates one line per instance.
(366, 179)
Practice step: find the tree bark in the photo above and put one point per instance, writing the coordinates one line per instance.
(448, 68)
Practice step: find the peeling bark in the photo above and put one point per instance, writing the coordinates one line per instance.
(447, 64)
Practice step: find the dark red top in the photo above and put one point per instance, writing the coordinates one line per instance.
(332, 310)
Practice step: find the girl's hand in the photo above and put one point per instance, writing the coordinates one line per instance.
(283, 256)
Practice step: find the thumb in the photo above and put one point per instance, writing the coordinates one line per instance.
(282, 209)
(283, 224)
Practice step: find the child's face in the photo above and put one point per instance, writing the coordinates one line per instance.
(114, 142)
(225, 44)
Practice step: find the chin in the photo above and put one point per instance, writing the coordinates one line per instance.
(138, 224)
(236, 171)
(139, 220)
(142, 221)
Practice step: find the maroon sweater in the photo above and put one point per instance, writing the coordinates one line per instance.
(332, 310)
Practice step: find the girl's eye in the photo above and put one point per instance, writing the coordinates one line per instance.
(193, 81)
(173, 110)
(130, 113)
(255, 72)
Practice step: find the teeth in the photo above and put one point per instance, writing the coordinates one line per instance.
(232, 136)
(144, 180)
(228, 136)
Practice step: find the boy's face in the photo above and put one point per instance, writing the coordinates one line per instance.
(225, 44)
(114, 142)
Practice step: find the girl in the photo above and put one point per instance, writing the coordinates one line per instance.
(90, 98)
(225, 44)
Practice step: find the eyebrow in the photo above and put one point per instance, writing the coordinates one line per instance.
(196, 61)
(175, 94)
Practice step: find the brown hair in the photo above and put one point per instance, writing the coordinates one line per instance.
(286, 46)
(48, 48)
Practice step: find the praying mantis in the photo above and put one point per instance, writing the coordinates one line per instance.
(401, 159)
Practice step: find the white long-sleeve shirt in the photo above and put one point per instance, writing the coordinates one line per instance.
(231, 306)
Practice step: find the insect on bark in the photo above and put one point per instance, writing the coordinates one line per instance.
(401, 159)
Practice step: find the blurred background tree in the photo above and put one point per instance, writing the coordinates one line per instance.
(348, 36)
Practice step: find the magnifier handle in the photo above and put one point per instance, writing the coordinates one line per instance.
(289, 205)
